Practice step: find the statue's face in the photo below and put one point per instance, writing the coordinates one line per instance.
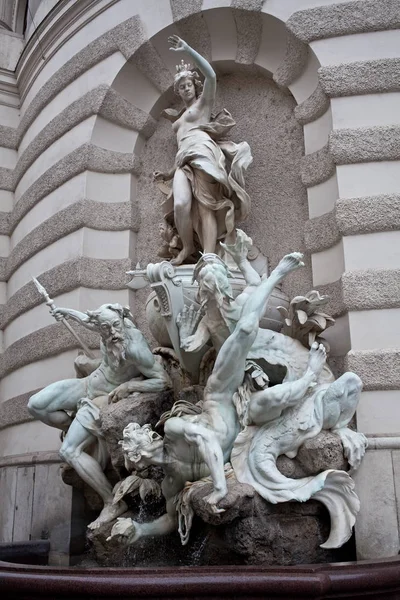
(186, 89)
(111, 327)
(207, 286)
(145, 456)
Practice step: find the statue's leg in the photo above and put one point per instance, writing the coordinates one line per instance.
(229, 366)
(49, 405)
(72, 451)
(208, 228)
(268, 404)
(182, 214)
(339, 404)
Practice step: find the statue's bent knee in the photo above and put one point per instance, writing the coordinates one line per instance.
(67, 453)
(352, 381)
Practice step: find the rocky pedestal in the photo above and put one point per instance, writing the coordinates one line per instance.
(251, 531)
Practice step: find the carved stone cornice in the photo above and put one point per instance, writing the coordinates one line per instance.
(51, 33)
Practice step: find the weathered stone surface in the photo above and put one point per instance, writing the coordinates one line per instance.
(324, 451)
(317, 167)
(294, 63)
(313, 107)
(344, 19)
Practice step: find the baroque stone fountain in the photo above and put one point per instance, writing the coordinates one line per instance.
(231, 442)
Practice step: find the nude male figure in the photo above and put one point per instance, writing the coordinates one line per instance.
(127, 365)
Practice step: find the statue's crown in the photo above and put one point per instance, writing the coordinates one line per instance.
(184, 70)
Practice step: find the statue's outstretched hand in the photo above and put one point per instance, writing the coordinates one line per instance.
(240, 248)
(59, 313)
(188, 320)
(125, 532)
(177, 43)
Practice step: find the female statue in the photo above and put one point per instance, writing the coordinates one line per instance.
(206, 197)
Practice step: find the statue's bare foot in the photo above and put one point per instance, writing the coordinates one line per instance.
(182, 256)
(317, 358)
(354, 445)
(109, 513)
(290, 263)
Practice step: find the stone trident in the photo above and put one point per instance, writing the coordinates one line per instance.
(50, 302)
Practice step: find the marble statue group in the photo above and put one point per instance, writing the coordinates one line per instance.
(264, 392)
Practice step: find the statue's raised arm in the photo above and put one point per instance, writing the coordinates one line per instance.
(207, 97)
(207, 197)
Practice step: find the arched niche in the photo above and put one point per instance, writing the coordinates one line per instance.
(264, 112)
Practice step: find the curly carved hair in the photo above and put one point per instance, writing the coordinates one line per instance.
(135, 438)
(122, 311)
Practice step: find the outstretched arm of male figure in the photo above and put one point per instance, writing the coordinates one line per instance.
(76, 315)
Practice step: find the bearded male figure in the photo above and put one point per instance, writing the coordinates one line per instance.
(127, 365)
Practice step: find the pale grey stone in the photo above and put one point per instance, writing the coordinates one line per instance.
(43, 343)
(8, 137)
(195, 31)
(147, 59)
(126, 37)
(377, 526)
(378, 369)
(353, 216)
(363, 290)
(371, 289)
(294, 62)
(321, 232)
(6, 179)
(3, 268)
(336, 306)
(248, 30)
(368, 144)
(313, 107)
(102, 100)
(344, 19)
(87, 272)
(363, 77)
(14, 411)
(317, 167)
(86, 157)
(115, 216)
(181, 9)
(249, 5)
(4, 223)
(368, 214)
(119, 110)
(71, 116)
